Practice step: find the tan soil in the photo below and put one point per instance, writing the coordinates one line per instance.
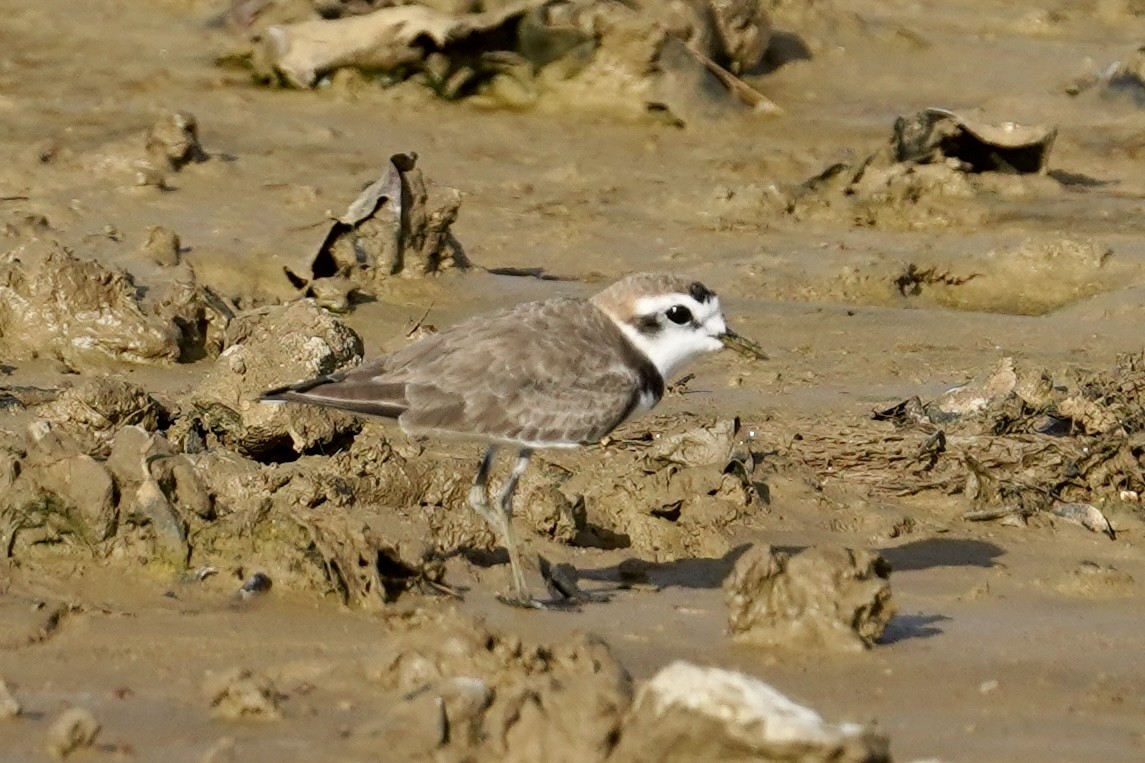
(1010, 643)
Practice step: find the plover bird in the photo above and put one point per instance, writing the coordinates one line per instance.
(554, 374)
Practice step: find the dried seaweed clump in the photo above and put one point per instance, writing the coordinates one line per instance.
(1015, 440)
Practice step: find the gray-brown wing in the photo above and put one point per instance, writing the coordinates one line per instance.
(556, 372)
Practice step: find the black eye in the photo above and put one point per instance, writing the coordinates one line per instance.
(679, 314)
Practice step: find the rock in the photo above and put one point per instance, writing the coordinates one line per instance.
(233, 483)
(570, 714)
(499, 697)
(162, 246)
(223, 750)
(173, 142)
(823, 597)
(410, 729)
(979, 393)
(1084, 514)
(333, 293)
(150, 508)
(242, 693)
(138, 456)
(464, 700)
(938, 135)
(9, 705)
(256, 585)
(696, 446)
(59, 493)
(399, 225)
(689, 713)
(144, 491)
(672, 499)
(75, 729)
(1093, 581)
(98, 406)
(199, 313)
(53, 304)
(269, 347)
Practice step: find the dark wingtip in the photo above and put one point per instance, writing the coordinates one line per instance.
(276, 395)
(283, 394)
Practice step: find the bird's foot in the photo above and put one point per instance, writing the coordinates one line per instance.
(437, 588)
(562, 582)
(523, 601)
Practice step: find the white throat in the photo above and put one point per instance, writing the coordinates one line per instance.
(675, 346)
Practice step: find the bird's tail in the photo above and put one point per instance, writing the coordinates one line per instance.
(362, 397)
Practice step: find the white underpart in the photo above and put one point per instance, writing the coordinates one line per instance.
(675, 346)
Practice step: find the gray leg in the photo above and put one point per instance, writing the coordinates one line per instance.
(505, 506)
(479, 493)
(499, 518)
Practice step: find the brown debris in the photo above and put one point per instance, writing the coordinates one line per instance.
(56, 305)
(680, 58)
(9, 705)
(265, 348)
(384, 40)
(142, 499)
(56, 493)
(937, 170)
(242, 693)
(361, 525)
(936, 135)
(160, 491)
(832, 598)
(1016, 441)
(95, 409)
(74, 729)
(669, 489)
(497, 696)
(398, 226)
(173, 142)
(162, 246)
(199, 312)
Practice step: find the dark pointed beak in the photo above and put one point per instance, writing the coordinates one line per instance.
(742, 345)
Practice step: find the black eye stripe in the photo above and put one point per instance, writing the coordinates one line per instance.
(648, 325)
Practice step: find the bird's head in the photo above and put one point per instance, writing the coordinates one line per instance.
(671, 319)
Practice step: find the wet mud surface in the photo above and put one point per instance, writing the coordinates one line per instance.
(916, 529)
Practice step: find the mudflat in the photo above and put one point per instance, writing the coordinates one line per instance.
(150, 291)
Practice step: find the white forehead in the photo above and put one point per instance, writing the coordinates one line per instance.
(701, 311)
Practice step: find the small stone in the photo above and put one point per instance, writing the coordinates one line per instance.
(823, 597)
(687, 712)
(150, 177)
(162, 246)
(333, 293)
(173, 141)
(222, 751)
(256, 585)
(242, 693)
(9, 705)
(75, 729)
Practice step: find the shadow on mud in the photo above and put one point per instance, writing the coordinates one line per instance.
(904, 627)
(941, 552)
(681, 573)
